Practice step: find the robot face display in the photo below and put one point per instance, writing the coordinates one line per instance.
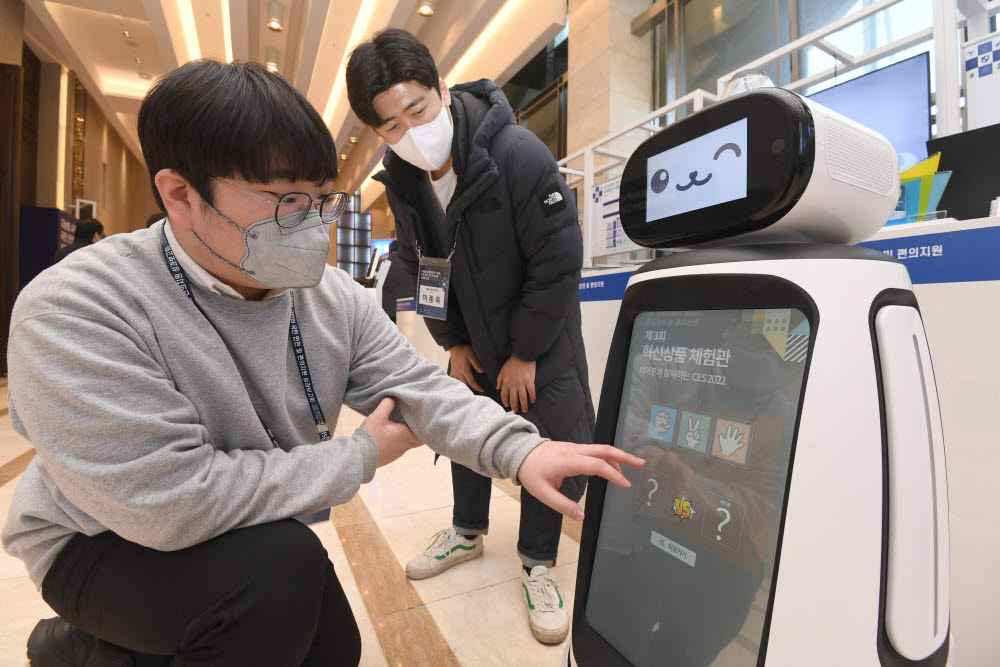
(764, 166)
(730, 169)
(706, 171)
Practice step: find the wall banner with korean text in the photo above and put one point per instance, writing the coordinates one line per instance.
(967, 255)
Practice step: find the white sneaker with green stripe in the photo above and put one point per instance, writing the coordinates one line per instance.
(447, 549)
(548, 614)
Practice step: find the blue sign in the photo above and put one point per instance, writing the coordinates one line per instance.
(966, 255)
(604, 287)
(662, 422)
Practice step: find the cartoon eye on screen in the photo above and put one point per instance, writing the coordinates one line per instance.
(706, 171)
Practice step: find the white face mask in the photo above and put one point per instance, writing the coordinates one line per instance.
(427, 146)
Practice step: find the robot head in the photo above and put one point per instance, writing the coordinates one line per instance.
(764, 166)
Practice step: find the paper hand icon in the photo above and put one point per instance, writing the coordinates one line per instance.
(731, 441)
(693, 432)
(662, 422)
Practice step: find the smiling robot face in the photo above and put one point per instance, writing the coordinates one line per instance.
(708, 170)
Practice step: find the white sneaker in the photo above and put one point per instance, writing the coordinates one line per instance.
(548, 615)
(447, 549)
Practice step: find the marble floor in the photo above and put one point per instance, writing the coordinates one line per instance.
(473, 614)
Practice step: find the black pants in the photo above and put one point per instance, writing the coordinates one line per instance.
(265, 595)
(538, 534)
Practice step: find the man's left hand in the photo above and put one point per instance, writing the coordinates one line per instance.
(516, 383)
(548, 464)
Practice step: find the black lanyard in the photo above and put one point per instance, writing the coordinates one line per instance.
(419, 244)
(454, 241)
(294, 334)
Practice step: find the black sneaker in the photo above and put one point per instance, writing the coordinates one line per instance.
(56, 643)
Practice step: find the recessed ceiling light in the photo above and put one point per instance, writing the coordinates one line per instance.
(353, 140)
(145, 76)
(425, 8)
(343, 156)
(138, 60)
(275, 13)
(271, 59)
(126, 34)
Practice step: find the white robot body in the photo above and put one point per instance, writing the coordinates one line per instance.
(806, 476)
(863, 547)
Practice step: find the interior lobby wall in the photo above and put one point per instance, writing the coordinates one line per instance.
(610, 69)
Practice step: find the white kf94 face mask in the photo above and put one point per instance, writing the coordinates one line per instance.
(427, 146)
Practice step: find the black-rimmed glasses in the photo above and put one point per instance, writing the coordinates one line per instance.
(293, 207)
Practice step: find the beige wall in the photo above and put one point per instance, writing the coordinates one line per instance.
(11, 31)
(113, 177)
(383, 224)
(53, 120)
(610, 69)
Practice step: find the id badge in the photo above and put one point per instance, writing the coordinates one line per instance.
(433, 277)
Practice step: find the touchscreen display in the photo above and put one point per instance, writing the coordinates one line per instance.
(684, 559)
(706, 171)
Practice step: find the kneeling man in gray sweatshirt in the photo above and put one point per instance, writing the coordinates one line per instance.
(180, 385)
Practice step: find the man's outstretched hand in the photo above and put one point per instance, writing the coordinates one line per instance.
(542, 472)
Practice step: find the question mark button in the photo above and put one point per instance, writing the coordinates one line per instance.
(654, 491)
(724, 522)
(722, 510)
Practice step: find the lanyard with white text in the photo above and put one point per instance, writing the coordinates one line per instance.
(294, 334)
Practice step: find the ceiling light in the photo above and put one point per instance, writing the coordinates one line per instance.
(275, 13)
(138, 60)
(145, 76)
(271, 59)
(425, 8)
(126, 34)
(343, 156)
(353, 140)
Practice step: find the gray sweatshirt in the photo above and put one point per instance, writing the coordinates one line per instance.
(146, 424)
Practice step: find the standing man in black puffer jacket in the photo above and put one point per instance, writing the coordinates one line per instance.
(487, 223)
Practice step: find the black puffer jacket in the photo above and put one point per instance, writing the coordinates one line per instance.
(516, 271)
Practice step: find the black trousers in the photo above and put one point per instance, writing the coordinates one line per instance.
(264, 595)
(540, 528)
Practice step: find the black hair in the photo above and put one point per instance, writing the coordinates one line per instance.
(86, 228)
(393, 56)
(393, 247)
(154, 218)
(208, 118)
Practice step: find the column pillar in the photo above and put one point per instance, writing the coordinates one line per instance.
(610, 70)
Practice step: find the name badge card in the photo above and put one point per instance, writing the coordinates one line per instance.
(433, 277)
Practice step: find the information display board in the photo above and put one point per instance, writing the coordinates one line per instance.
(608, 237)
(710, 400)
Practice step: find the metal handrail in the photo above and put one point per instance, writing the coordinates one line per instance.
(697, 98)
(947, 21)
(815, 38)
